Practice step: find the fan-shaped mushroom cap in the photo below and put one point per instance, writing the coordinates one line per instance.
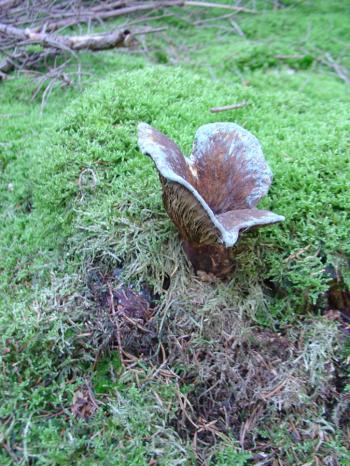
(212, 195)
(230, 166)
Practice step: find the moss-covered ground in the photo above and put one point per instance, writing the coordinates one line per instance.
(253, 370)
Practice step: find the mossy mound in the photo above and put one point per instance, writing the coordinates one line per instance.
(96, 191)
(82, 222)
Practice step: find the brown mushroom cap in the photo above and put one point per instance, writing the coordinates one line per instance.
(212, 195)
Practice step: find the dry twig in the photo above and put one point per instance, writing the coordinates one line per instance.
(22, 25)
(218, 5)
(242, 104)
(340, 70)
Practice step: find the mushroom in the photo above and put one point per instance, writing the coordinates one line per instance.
(211, 196)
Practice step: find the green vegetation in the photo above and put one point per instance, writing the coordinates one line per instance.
(79, 202)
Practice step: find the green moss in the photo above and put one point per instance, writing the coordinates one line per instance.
(76, 194)
(96, 176)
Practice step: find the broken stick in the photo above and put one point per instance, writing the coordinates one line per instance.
(242, 104)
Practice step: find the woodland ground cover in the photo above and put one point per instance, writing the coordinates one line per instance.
(249, 371)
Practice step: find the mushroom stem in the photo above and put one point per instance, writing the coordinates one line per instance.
(209, 258)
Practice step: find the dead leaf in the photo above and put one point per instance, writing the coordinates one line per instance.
(84, 403)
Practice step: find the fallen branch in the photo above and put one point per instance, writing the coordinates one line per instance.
(22, 24)
(242, 104)
(8, 4)
(25, 61)
(97, 14)
(340, 70)
(69, 43)
(223, 6)
(114, 10)
(56, 44)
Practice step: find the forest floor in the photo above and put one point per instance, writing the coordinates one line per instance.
(251, 370)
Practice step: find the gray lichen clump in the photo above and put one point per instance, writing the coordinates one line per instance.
(211, 196)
